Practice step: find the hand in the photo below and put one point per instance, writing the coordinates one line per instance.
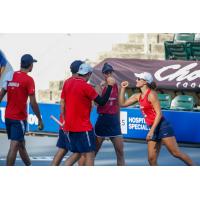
(124, 84)
(149, 136)
(110, 81)
(63, 123)
(103, 84)
(40, 125)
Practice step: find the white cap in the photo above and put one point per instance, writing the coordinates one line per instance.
(146, 76)
(84, 69)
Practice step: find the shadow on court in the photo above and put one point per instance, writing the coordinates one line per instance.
(42, 149)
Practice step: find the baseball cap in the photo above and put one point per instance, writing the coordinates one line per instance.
(84, 69)
(146, 76)
(107, 68)
(75, 66)
(27, 60)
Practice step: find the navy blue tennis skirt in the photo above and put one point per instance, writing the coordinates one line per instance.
(163, 130)
(108, 125)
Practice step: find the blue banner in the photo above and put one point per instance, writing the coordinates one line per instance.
(46, 111)
(185, 124)
(133, 126)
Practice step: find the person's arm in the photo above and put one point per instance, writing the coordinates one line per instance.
(62, 109)
(102, 100)
(36, 110)
(2, 94)
(126, 102)
(153, 98)
(8, 77)
(3, 63)
(2, 70)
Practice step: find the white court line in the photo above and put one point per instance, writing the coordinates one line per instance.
(37, 158)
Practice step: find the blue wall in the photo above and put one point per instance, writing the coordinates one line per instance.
(185, 124)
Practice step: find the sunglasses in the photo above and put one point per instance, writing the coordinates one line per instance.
(107, 72)
(139, 79)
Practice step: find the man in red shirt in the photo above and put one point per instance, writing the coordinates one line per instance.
(62, 142)
(76, 103)
(19, 86)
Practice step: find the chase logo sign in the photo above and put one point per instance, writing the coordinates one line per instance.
(185, 77)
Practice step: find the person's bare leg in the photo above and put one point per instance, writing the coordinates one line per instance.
(119, 149)
(153, 152)
(73, 159)
(23, 153)
(172, 147)
(89, 158)
(99, 142)
(59, 156)
(12, 153)
(81, 161)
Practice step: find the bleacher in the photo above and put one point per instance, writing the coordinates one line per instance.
(185, 46)
(172, 100)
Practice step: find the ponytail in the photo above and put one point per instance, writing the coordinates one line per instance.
(152, 85)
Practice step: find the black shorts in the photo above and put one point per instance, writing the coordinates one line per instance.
(82, 142)
(108, 125)
(63, 141)
(16, 129)
(163, 130)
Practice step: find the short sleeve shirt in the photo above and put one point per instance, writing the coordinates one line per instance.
(19, 87)
(78, 96)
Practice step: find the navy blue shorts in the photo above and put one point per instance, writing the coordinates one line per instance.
(63, 141)
(16, 129)
(108, 125)
(163, 130)
(82, 142)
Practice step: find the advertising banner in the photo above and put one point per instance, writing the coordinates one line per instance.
(168, 74)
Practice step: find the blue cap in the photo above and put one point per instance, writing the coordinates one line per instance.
(75, 66)
(27, 60)
(85, 69)
(107, 68)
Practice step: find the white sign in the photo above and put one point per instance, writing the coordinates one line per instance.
(123, 122)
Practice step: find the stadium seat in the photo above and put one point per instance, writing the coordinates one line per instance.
(165, 101)
(197, 37)
(184, 37)
(169, 92)
(195, 97)
(195, 50)
(176, 51)
(182, 102)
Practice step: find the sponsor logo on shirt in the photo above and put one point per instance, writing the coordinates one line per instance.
(13, 84)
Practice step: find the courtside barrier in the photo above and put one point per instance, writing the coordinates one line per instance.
(184, 123)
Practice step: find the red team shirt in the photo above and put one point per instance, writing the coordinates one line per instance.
(112, 106)
(18, 90)
(78, 96)
(147, 109)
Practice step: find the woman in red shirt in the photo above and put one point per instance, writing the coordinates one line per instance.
(160, 129)
(108, 122)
